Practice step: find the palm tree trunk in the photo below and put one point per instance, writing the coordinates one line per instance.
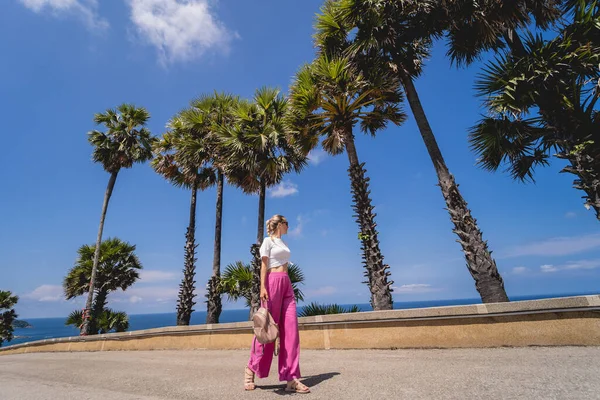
(585, 160)
(261, 213)
(85, 328)
(97, 308)
(254, 250)
(214, 305)
(479, 259)
(186, 302)
(376, 272)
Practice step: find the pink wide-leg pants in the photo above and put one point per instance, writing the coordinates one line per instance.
(282, 306)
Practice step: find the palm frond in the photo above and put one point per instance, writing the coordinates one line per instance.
(126, 140)
(107, 321)
(110, 320)
(518, 143)
(118, 268)
(8, 315)
(557, 79)
(236, 281)
(7, 300)
(331, 94)
(297, 278)
(258, 145)
(478, 27)
(75, 319)
(313, 309)
(184, 154)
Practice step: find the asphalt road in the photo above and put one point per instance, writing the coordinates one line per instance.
(503, 373)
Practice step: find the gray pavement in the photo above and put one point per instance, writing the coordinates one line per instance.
(503, 373)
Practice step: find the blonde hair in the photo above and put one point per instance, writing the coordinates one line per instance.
(273, 223)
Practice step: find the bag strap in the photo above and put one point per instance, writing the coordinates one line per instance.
(262, 304)
(265, 304)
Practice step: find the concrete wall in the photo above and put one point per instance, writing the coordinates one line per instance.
(571, 321)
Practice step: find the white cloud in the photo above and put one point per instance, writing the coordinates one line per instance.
(570, 214)
(303, 219)
(568, 266)
(414, 288)
(583, 264)
(548, 268)
(284, 189)
(559, 246)
(150, 294)
(46, 293)
(181, 30)
(572, 266)
(322, 291)
(86, 10)
(317, 156)
(296, 231)
(149, 276)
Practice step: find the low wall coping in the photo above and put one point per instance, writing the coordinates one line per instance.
(555, 305)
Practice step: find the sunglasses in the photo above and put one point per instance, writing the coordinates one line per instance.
(284, 222)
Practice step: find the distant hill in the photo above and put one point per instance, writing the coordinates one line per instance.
(21, 324)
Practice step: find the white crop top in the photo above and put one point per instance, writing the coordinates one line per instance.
(276, 250)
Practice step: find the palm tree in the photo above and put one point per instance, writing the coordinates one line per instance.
(118, 268)
(211, 113)
(125, 142)
(107, 321)
(185, 167)
(259, 154)
(391, 33)
(236, 281)
(328, 98)
(558, 79)
(7, 315)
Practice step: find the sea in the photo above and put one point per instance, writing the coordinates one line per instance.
(49, 328)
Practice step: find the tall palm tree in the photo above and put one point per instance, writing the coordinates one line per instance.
(118, 268)
(7, 315)
(392, 33)
(185, 167)
(328, 98)
(125, 142)
(210, 113)
(259, 154)
(557, 79)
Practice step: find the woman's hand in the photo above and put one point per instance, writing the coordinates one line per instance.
(264, 296)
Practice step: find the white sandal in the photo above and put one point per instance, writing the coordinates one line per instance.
(297, 387)
(249, 379)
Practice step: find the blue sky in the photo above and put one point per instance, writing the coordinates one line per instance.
(64, 60)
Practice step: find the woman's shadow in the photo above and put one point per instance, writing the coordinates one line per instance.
(310, 381)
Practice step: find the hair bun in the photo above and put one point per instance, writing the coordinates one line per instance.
(273, 222)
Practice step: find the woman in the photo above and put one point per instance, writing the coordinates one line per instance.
(277, 292)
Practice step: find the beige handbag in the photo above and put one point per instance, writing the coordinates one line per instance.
(265, 328)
